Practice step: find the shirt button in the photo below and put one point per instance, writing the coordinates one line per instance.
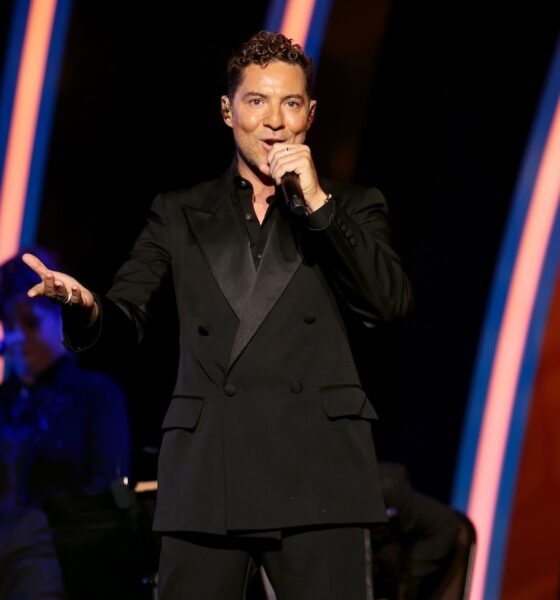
(353, 241)
(309, 318)
(259, 255)
(296, 387)
(344, 227)
(248, 217)
(243, 183)
(230, 389)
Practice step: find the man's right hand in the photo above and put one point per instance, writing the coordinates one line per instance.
(61, 288)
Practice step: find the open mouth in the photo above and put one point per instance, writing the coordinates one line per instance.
(269, 142)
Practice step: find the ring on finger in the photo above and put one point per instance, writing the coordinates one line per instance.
(69, 299)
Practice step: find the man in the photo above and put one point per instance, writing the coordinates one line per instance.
(267, 453)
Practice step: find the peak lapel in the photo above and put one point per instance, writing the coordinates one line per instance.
(226, 249)
(279, 262)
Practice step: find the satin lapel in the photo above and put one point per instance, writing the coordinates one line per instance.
(225, 246)
(279, 262)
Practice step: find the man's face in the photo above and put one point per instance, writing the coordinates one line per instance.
(270, 105)
(32, 337)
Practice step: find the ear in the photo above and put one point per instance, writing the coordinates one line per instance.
(225, 107)
(311, 113)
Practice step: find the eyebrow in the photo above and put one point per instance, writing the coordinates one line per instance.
(261, 95)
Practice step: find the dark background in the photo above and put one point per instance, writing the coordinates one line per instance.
(429, 103)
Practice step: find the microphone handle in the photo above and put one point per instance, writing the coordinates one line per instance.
(293, 194)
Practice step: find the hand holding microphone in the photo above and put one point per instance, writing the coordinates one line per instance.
(292, 168)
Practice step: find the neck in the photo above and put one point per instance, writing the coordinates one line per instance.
(263, 185)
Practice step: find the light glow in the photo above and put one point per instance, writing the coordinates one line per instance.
(297, 20)
(19, 148)
(509, 352)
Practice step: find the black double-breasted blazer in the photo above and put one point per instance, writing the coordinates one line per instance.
(268, 426)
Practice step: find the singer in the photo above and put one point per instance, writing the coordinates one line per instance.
(267, 453)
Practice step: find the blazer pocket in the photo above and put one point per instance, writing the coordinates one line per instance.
(347, 401)
(183, 412)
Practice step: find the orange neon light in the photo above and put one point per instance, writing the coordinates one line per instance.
(296, 20)
(19, 147)
(509, 352)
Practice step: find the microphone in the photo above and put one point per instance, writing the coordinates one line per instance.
(293, 194)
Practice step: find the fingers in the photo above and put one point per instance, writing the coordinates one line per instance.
(62, 294)
(60, 288)
(52, 288)
(284, 158)
(35, 264)
(78, 298)
(51, 285)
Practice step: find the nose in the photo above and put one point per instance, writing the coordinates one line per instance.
(274, 118)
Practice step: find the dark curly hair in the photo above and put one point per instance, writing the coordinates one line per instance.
(262, 48)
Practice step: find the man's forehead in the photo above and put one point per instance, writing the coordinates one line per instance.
(275, 76)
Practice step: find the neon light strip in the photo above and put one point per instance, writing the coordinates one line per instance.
(302, 20)
(534, 181)
(510, 350)
(10, 71)
(19, 148)
(297, 19)
(44, 123)
(314, 39)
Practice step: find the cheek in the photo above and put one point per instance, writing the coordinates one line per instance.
(297, 124)
(246, 122)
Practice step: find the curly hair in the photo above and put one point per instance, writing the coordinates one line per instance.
(265, 47)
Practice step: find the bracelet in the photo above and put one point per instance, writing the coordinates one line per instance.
(329, 196)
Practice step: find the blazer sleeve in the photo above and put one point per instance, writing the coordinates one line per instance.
(352, 241)
(126, 308)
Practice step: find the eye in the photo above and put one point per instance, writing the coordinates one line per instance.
(255, 101)
(293, 103)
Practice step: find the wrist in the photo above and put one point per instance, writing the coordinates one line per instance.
(317, 203)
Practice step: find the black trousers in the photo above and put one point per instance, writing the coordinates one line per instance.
(331, 563)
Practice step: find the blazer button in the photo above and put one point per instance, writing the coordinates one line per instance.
(230, 389)
(296, 387)
(203, 331)
(310, 318)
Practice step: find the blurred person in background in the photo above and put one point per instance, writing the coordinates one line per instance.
(64, 429)
(29, 566)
